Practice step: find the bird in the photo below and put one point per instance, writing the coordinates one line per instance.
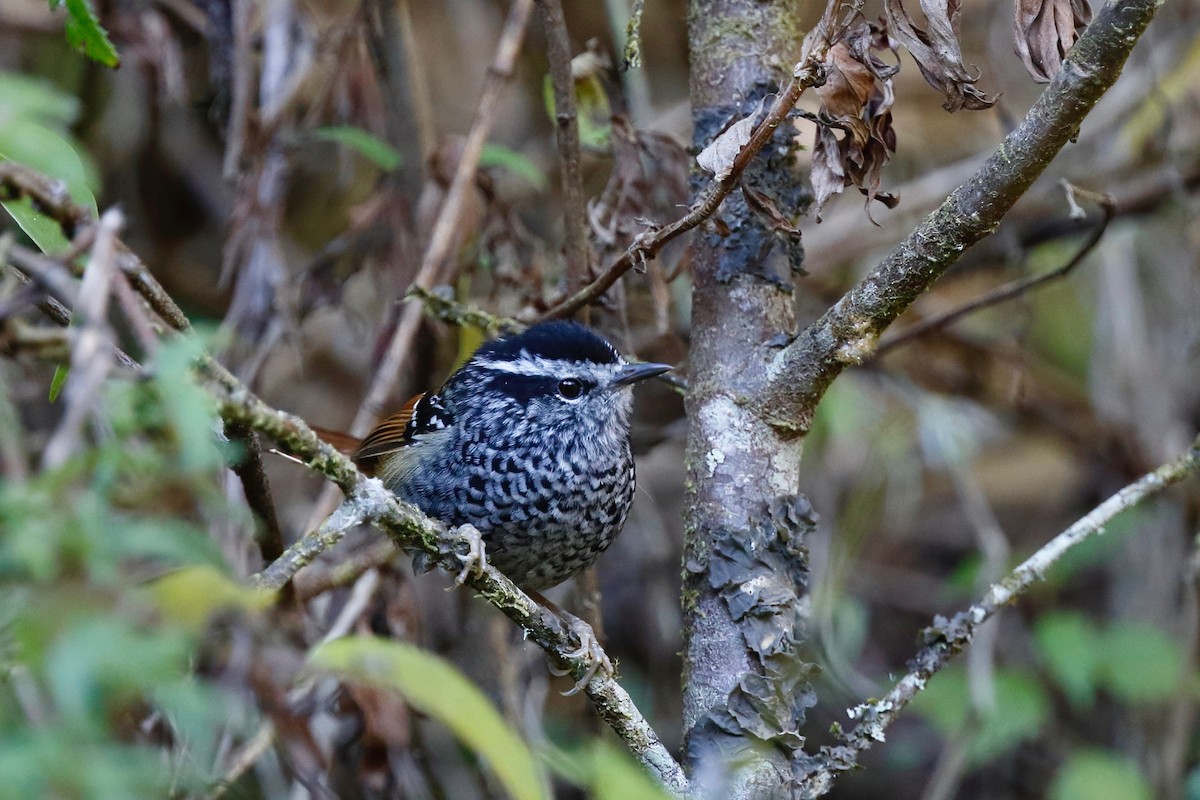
(528, 444)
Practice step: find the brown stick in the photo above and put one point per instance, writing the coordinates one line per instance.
(558, 52)
(1008, 291)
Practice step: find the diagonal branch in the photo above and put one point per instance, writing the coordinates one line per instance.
(848, 333)
(948, 637)
(1011, 290)
(808, 73)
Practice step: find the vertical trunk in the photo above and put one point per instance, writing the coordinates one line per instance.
(736, 463)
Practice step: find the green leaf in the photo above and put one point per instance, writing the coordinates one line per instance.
(1019, 710)
(1069, 644)
(26, 141)
(1140, 663)
(36, 99)
(56, 383)
(366, 144)
(435, 687)
(85, 34)
(497, 155)
(1099, 775)
(190, 596)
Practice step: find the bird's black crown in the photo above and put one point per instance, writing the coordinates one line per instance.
(556, 340)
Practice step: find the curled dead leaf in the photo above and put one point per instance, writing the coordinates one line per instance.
(1044, 32)
(721, 152)
(856, 100)
(937, 52)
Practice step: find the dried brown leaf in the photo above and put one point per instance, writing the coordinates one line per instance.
(937, 51)
(1044, 32)
(721, 152)
(848, 83)
(857, 100)
(828, 176)
(767, 210)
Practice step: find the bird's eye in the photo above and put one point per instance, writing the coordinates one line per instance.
(570, 388)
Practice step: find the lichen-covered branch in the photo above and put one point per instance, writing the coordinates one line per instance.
(848, 333)
(946, 638)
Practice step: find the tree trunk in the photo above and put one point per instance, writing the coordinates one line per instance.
(737, 464)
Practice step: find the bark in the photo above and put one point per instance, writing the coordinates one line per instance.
(741, 50)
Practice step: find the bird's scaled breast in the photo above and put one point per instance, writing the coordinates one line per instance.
(545, 513)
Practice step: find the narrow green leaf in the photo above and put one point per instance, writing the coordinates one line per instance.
(85, 33)
(497, 155)
(366, 144)
(56, 383)
(435, 687)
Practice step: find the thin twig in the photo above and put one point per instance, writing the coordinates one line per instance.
(90, 358)
(49, 197)
(808, 73)
(280, 572)
(441, 305)
(558, 53)
(244, 759)
(249, 469)
(948, 638)
(1008, 291)
(310, 585)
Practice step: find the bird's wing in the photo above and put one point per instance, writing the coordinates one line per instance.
(424, 413)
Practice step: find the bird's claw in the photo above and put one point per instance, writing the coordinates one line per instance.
(589, 649)
(474, 559)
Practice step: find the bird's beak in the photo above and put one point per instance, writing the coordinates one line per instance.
(632, 373)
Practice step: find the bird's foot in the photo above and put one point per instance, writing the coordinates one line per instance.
(589, 649)
(474, 559)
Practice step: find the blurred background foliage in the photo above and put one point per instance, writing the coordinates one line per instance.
(280, 167)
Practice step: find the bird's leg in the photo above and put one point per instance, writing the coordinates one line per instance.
(475, 558)
(589, 646)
